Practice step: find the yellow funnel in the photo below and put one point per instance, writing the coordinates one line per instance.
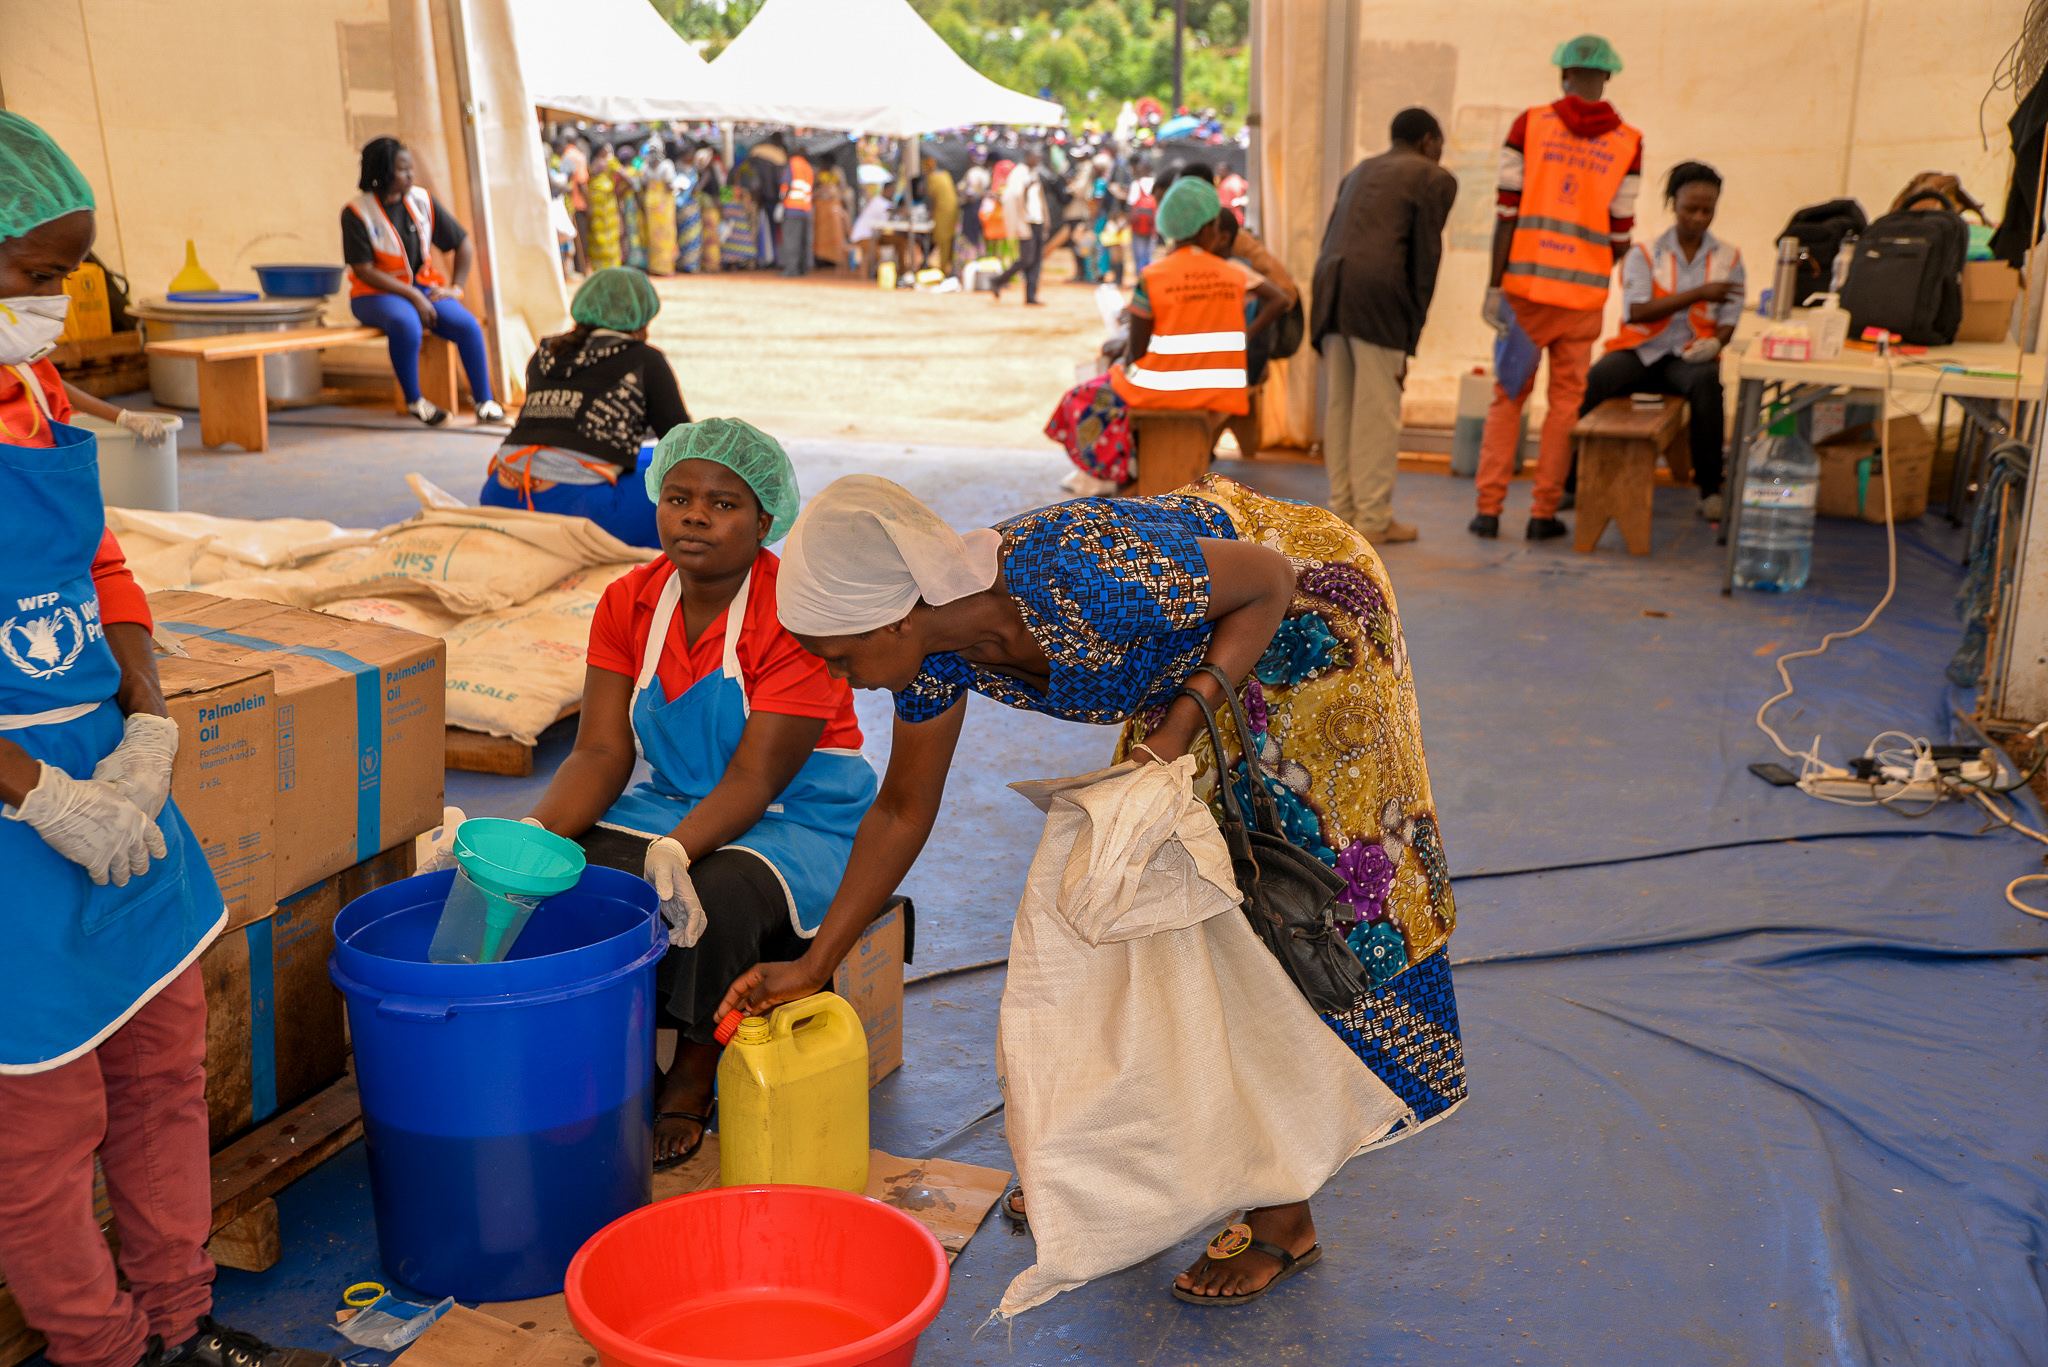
(192, 277)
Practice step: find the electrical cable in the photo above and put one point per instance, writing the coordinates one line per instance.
(1810, 759)
(1922, 769)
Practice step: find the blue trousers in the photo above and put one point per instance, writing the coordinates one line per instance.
(621, 509)
(400, 323)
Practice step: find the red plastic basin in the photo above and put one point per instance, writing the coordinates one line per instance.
(767, 1276)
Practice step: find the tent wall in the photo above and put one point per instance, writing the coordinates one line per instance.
(238, 124)
(1794, 102)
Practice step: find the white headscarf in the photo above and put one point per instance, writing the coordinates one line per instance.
(864, 552)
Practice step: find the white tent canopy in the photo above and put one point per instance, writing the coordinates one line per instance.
(615, 61)
(869, 66)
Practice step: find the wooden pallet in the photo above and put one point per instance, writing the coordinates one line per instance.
(246, 1175)
(478, 752)
(103, 366)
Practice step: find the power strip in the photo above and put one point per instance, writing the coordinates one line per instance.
(1894, 784)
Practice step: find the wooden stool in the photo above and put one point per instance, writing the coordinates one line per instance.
(440, 374)
(1246, 428)
(1171, 447)
(1618, 447)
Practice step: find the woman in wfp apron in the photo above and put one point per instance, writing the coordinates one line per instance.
(746, 823)
(109, 900)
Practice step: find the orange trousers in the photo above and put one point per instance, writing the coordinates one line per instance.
(1568, 335)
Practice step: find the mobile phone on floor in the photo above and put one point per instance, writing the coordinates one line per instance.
(1777, 775)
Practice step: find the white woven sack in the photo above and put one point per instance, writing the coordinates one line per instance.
(1161, 1071)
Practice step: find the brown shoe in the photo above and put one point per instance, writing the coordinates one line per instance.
(1395, 531)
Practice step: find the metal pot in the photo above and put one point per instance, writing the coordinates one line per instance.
(174, 380)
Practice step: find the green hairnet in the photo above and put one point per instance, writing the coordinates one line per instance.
(1588, 50)
(1190, 204)
(744, 449)
(617, 298)
(37, 181)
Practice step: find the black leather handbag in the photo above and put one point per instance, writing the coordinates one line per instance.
(1289, 895)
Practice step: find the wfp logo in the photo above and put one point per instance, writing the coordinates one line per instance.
(35, 645)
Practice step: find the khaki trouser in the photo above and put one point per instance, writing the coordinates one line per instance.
(1362, 430)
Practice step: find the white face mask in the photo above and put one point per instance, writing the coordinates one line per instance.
(30, 326)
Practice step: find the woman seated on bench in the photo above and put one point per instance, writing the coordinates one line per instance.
(745, 826)
(592, 394)
(385, 234)
(1681, 296)
(1188, 336)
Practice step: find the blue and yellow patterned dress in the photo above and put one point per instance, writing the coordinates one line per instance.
(1115, 591)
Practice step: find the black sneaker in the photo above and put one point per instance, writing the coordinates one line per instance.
(1545, 528)
(1569, 501)
(1484, 524)
(216, 1345)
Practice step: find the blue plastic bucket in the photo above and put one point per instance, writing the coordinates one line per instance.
(508, 1107)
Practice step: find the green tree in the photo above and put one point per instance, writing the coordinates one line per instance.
(714, 23)
(1090, 55)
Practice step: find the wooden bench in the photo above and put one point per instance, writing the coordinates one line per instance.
(1171, 447)
(233, 405)
(1618, 447)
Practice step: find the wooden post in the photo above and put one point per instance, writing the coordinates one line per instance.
(233, 407)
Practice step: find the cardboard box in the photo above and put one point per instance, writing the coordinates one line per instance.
(871, 978)
(1989, 289)
(221, 778)
(359, 719)
(276, 1030)
(1852, 472)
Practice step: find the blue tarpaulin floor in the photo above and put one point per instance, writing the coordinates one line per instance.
(1753, 1078)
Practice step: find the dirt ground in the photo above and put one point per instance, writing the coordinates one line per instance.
(831, 357)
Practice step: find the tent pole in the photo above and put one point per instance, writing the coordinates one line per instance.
(479, 188)
(1255, 153)
(1180, 37)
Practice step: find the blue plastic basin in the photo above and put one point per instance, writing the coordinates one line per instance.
(300, 282)
(508, 1107)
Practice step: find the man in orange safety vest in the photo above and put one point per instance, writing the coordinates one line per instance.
(1569, 172)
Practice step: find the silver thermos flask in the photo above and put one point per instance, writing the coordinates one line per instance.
(1786, 280)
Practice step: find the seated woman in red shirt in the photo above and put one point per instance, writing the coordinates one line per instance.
(745, 826)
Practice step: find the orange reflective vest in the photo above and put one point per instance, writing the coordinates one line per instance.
(1664, 283)
(1196, 358)
(1561, 253)
(798, 200)
(391, 258)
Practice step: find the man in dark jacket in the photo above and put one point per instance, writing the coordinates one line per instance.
(1372, 289)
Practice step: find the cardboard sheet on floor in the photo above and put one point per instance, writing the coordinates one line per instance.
(468, 1338)
(949, 1199)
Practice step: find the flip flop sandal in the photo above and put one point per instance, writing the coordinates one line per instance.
(1020, 1222)
(1238, 1239)
(703, 1128)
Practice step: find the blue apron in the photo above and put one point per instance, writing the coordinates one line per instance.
(807, 833)
(81, 959)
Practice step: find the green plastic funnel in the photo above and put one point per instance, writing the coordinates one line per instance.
(516, 866)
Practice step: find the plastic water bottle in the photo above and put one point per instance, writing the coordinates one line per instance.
(1774, 548)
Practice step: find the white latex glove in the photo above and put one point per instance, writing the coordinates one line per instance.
(1701, 349)
(140, 767)
(92, 825)
(151, 427)
(531, 821)
(435, 851)
(668, 868)
(1494, 311)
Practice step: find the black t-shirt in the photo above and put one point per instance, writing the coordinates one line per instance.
(600, 396)
(355, 234)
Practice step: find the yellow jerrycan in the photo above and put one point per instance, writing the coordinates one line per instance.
(793, 1098)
